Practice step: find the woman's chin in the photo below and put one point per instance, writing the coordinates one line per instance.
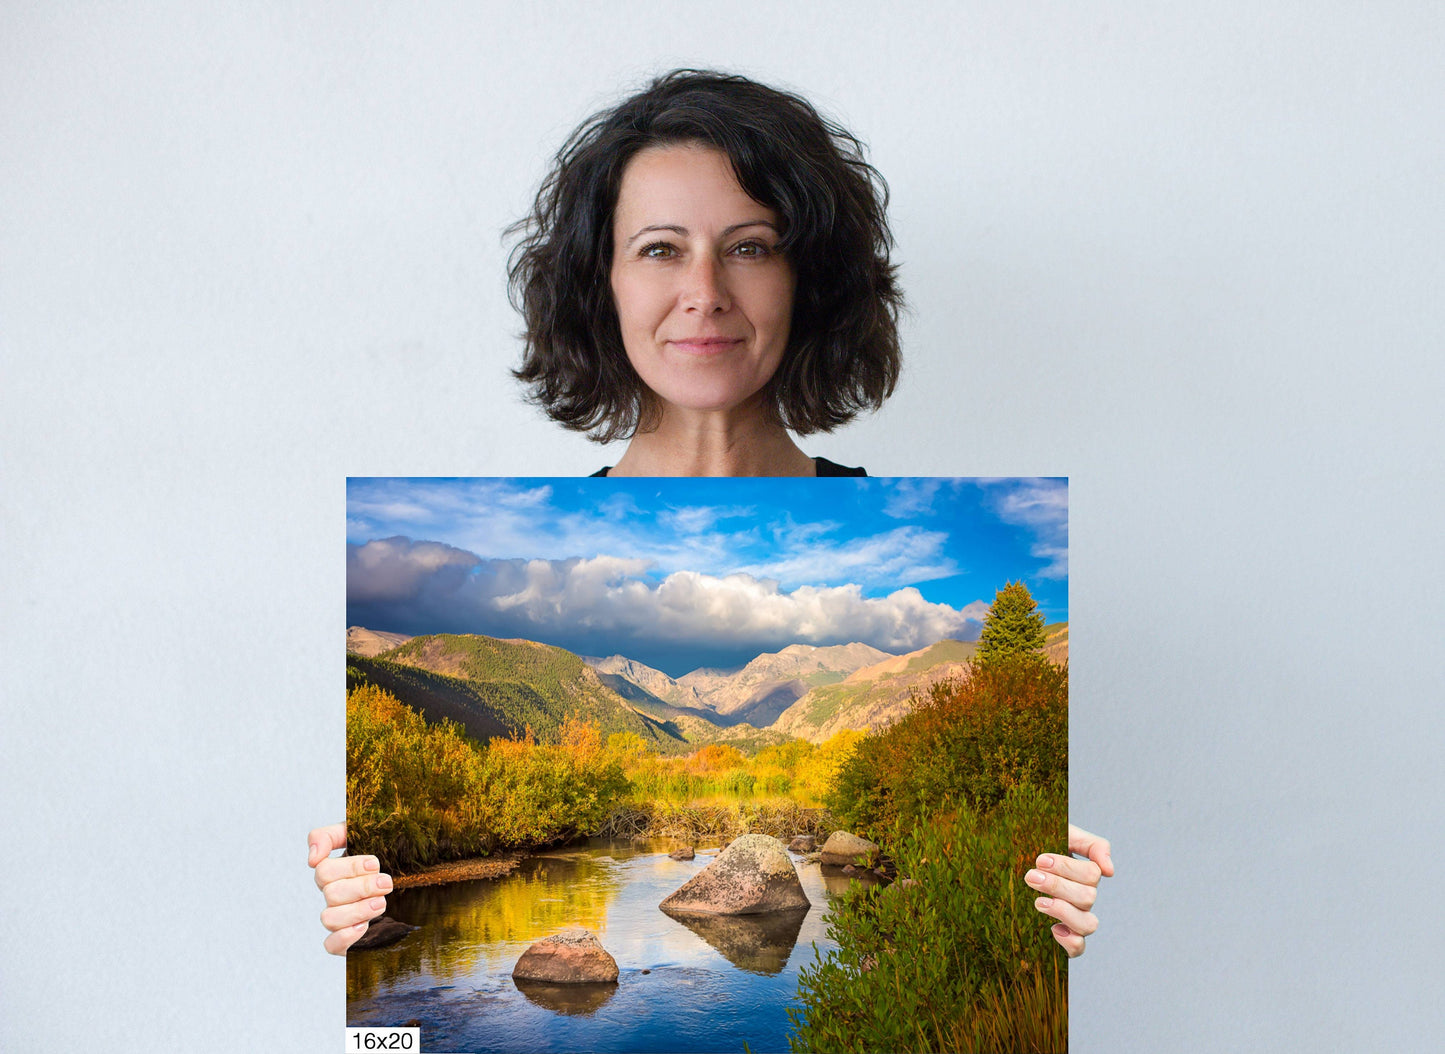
(695, 403)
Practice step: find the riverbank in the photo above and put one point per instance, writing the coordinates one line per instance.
(691, 821)
(687, 823)
(461, 870)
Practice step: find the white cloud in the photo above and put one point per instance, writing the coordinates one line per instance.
(911, 497)
(904, 554)
(1041, 505)
(392, 570)
(694, 519)
(550, 599)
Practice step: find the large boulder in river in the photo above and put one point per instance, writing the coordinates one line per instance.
(573, 956)
(844, 848)
(752, 876)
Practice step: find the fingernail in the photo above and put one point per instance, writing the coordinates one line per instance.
(1060, 929)
(1046, 861)
(383, 883)
(1044, 903)
(362, 925)
(1034, 878)
(311, 855)
(371, 864)
(376, 903)
(1109, 860)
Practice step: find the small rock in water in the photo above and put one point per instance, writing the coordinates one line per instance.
(682, 854)
(647, 971)
(380, 933)
(849, 869)
(803, 843)
(573, 956)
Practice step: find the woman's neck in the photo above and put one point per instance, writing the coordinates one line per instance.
(713, 445)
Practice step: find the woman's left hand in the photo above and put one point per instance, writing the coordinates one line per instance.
(1071, 886)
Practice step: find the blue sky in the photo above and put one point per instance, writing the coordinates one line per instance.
(680, 573)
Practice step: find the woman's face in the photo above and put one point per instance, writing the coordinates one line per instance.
(703, 296)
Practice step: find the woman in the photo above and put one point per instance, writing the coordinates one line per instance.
(706, 270)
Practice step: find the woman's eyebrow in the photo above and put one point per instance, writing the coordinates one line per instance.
(682, 231)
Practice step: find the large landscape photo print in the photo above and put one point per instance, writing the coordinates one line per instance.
(708, 764)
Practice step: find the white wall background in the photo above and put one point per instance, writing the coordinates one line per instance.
(1188, 256)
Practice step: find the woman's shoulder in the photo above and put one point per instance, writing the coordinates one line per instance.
(823, 466)
(828, 468)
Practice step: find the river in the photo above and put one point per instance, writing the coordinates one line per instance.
(709, 986)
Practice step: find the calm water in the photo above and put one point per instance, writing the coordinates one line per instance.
(711, 987)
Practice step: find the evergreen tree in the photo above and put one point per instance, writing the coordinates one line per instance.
(1014, 625)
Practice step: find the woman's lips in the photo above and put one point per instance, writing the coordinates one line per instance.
(705, 345)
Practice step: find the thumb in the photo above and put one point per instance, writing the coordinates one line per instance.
(323, 841)
(1093, 847)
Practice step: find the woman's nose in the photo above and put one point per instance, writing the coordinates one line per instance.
(705, 286)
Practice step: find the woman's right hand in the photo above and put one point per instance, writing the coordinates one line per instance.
(353, 887)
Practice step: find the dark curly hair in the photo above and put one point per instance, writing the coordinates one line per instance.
(842, 355)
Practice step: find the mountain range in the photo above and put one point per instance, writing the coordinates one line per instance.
(503, 687)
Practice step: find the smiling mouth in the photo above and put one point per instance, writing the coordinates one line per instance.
(706, 345)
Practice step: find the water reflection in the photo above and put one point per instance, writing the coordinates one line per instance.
(714, 982)
(469, 927)
(573, 999)
(757, 943)
(836, 883)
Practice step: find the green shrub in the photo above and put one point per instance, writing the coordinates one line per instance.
(970, 741)
(959, 961)
(408, 783)
(419, 793)
(534, 794)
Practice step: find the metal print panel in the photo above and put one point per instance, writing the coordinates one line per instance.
(708, 764)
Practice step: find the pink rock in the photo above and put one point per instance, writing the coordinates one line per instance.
(752, 876)
(573, 956)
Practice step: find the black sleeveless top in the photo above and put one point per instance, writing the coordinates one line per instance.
(823, 466)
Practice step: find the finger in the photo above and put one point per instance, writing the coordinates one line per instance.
(1071, 941)
(1076, 893)
(323, 841)
(334, 867)
(344, 915)
(337, 943)
(1082, 923)
(1093, 847)
(350, 890)
(1085, 872)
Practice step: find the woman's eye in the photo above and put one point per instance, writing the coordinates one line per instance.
(751, 249)
(657, 250)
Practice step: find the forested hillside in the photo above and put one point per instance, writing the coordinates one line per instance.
(494, 687)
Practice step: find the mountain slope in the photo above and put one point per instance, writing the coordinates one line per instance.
(502, 687)
(371, 643)
(649, 691)
(654, 683)
(877, 695)
(1056, 643)
(768, 685)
